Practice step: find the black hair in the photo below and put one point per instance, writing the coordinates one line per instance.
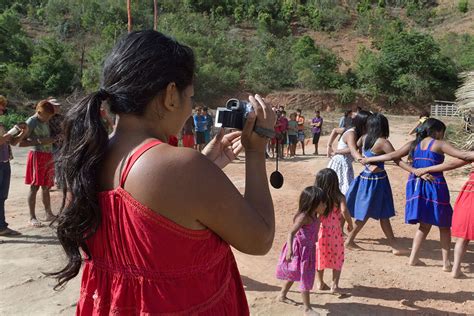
(359, 108)
(298, 110)
(425, 114)
(360, 123)
(327, 180)
(428, 129)
(347, 113)
(140, 66)
(310, 198)
(377, 127)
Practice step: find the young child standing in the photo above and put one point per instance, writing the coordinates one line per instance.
(330, 245)
(463, 219)
(297, 262)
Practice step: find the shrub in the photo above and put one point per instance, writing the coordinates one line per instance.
(463, 6)
(346, 94)
(11, 118)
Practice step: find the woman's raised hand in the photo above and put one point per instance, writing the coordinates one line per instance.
(264, 117)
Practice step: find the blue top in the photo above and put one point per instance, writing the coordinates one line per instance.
(369, 153)
(427, 158)
(200, 122)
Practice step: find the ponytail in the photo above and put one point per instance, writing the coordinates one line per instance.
(85, 138)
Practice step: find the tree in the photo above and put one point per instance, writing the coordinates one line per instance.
(155, 15)
(129, 15)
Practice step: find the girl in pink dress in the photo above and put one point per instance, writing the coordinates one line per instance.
(330, 245)
(298, 262)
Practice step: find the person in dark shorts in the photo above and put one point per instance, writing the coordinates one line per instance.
(301, 136)
(316, 127)
(284, 132)
(200, 123)
(292, 134)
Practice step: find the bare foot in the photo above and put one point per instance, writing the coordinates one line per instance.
(310, 311)
(352, 246)
(323, 287)
(447, 267)
(35, 223)
(417, 262)
(286, 300)
(49, 217)
(458, 274)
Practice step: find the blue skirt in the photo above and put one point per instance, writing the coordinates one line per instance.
(370, 195)
(428, 202)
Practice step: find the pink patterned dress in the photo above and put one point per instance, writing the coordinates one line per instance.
(302, 267)
(330, 247)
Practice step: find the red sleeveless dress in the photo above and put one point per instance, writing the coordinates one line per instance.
(145, 264)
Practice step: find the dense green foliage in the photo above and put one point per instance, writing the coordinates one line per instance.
(9, 120)
(52, 47)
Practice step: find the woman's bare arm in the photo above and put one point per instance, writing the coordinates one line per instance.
(397, 154)
(446, 166)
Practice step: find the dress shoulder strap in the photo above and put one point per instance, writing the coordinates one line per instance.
(430, 144)
(134, 157)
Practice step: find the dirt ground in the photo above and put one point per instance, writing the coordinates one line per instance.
(378, 282)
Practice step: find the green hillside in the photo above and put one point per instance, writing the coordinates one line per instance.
(406, 50)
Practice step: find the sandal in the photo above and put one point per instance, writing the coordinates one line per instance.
(35, 223)
(7, 232)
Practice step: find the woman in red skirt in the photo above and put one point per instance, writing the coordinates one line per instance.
(40, 165)
(463, 215)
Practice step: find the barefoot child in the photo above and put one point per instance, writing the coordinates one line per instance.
(370, 194)
(297, 263)
(463, 215)
(330, 245)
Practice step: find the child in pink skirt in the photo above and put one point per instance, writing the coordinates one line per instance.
(298, 262)
(330, 246)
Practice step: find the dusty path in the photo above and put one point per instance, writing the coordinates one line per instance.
(379, 283)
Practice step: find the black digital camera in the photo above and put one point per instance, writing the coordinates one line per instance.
(234, 115)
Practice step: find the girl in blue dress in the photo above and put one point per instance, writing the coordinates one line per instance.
(427, 202)
(370, 194)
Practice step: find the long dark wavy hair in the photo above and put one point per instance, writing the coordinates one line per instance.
(140, 66)
(327, 180)
(360, 123)
(377, 127)
(429, 128)
(310, 198)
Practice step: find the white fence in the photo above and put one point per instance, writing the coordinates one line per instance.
(444, 108)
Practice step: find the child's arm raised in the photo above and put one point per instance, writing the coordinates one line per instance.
(300, 220)
(345, 214)
(449, 149)
(446, 166)
(397, 154)
(388, 149)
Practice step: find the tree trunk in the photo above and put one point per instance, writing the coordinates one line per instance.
(155, 14)
(129, 15)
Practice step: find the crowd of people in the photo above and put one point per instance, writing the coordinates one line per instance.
(137, 217)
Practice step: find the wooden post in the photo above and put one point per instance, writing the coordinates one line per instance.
(155, 15)
(129, 15)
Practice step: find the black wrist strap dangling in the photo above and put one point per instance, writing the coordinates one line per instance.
(276, 178)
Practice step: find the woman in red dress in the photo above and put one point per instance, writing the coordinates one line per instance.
(463, 215)
(153, 223)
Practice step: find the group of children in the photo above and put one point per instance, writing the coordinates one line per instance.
(317, 238)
